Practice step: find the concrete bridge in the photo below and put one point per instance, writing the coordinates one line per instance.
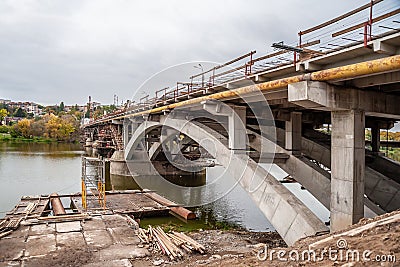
(308, 116)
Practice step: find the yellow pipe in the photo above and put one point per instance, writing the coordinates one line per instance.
(359, 69)
(344, 72)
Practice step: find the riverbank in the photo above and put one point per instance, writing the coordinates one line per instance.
(112, 240)
(370, 242)
(108, 240)
(21, 139)
(30, 234)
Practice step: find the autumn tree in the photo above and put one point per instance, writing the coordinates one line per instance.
(23, 127)
(38, 128)
(60, 128)
(3, 114)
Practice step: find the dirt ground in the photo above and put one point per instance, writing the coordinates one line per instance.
(378, 245)
(108, 240)
(221, 246)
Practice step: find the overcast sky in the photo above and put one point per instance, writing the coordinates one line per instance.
(52, 51)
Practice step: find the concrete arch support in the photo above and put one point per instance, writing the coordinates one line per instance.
(290, 217)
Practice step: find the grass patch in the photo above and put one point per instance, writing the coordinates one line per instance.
(173, 224)
(20, 139)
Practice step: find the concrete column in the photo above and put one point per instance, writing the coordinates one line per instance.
(293, 133)
(126, 131)
(237, 128)
(375, 137)
(236, 123)
(348, 167)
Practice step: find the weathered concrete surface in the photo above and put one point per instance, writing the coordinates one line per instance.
(118, 165)
(67, 227)
(111, 263)
(38, 245)
(41, 229)
(374, 181)
(290, 217)
(11, 248)
(293, 133)
(106, 240)
(119, 252)
(70, 240)
(348, 168)
(323, 96)
(95, 223)
(124, 236)
(97, 239)
(313, 178)
(379, 188)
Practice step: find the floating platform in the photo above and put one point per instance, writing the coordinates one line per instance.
(131, 203)
(32, 235)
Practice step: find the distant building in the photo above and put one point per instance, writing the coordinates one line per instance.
(95, 105)
(4, 101)
(72, 107)
(28, 107)
(11, 120)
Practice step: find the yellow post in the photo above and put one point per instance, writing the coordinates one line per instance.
(84, 206)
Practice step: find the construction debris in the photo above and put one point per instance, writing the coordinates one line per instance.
(174, 245)
(8, 225)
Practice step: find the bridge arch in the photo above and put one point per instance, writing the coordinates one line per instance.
(290, 217)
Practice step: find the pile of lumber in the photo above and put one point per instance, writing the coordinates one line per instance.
(8, 225)
(30, 208)
(174, 244)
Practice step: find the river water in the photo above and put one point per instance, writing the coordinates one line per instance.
(38, 168)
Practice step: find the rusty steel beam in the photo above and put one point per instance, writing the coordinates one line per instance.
(283, 51)
(360, 25)
(224, 64)
(57, 206)
(361, 8)
(344, 72)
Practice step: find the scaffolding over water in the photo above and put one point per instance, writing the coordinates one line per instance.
(93, 181)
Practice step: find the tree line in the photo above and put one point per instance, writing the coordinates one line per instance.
(50, 126)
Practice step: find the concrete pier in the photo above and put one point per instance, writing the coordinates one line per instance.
(293, 133)
(348, 168)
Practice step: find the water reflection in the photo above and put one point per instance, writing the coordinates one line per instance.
(41, 168)
(234, 208)
(37, 168)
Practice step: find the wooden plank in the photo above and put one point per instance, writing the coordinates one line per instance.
(70, 216)
(356, 231)
(5, 234)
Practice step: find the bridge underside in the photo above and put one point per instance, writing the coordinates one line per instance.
(314, 130)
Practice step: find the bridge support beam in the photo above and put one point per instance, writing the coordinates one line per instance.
(237, 129)
(323, 96)
(375, 137)
(293, 133)
(236, 123)
(348, 168)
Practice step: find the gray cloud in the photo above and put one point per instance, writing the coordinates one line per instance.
(54, 51)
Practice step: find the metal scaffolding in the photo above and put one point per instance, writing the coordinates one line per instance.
(93, 180)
